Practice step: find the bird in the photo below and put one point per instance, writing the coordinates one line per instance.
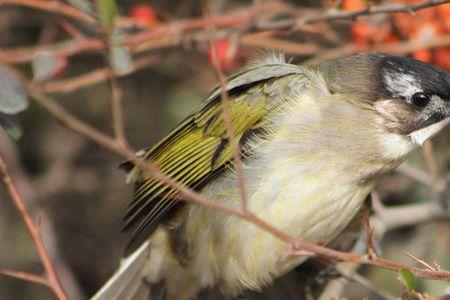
(314, 141)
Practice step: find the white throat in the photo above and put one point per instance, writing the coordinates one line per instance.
(419, 136)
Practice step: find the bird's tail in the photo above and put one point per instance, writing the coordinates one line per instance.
(150, 273)
(128, 282)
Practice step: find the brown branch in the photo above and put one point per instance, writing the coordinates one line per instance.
(234, 19)
(117, 111)
(26, 276)
(399, 48)
(50, 273)
(65, 49)
(169, 34)
(421, 261)
(432, 165)
(227, 118)
(369, 235)
(372, 10)
(415, 173)
(93, 77)
(387, 219)
(53, 6)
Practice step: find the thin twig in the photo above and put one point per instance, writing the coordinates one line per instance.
(398, 48)
(421, 261)
(372, 10)
(93, 77)
(227, 118)
(26, 276)
(432, 165)
(369, 232)
(65, 49)
(50, 273)
(53, 6)
(115, 90)
(241, 19)
(387, 219)
(117, 111)
(415, 173)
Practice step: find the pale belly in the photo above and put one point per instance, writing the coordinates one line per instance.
(238, 255)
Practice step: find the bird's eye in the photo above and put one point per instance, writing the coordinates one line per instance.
(420, 99)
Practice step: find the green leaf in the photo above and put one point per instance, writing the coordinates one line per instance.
(13, 97)
(108, 12)
(408, 279)
(11, 127)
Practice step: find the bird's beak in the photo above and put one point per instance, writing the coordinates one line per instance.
(420, 136)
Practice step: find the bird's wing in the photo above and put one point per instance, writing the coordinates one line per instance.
(199, 148)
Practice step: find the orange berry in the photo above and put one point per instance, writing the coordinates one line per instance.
(353, 4)
(361, 33)
(422, 55)
(443, 12)
(144, 14)
(442, 58)
(405, 24)
(226, 54)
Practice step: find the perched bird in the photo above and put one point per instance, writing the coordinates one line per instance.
(314, 142)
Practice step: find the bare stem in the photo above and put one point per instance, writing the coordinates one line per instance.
(226, 115)
(40, 279)
(53, 6)
(373, 10)
(91, 78)
(50, 273)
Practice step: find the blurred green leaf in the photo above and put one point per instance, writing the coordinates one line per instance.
(408, 279)
(121, 61)
(108, 12)
(11, 127)
(13, 97)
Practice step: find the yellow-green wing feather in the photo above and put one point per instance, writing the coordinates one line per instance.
(199, 147)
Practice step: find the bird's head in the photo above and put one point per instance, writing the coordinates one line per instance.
(412, 97)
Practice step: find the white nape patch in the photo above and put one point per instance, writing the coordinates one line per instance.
(401, 84)
(421, 135)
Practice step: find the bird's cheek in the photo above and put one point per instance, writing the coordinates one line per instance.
(397, 116)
